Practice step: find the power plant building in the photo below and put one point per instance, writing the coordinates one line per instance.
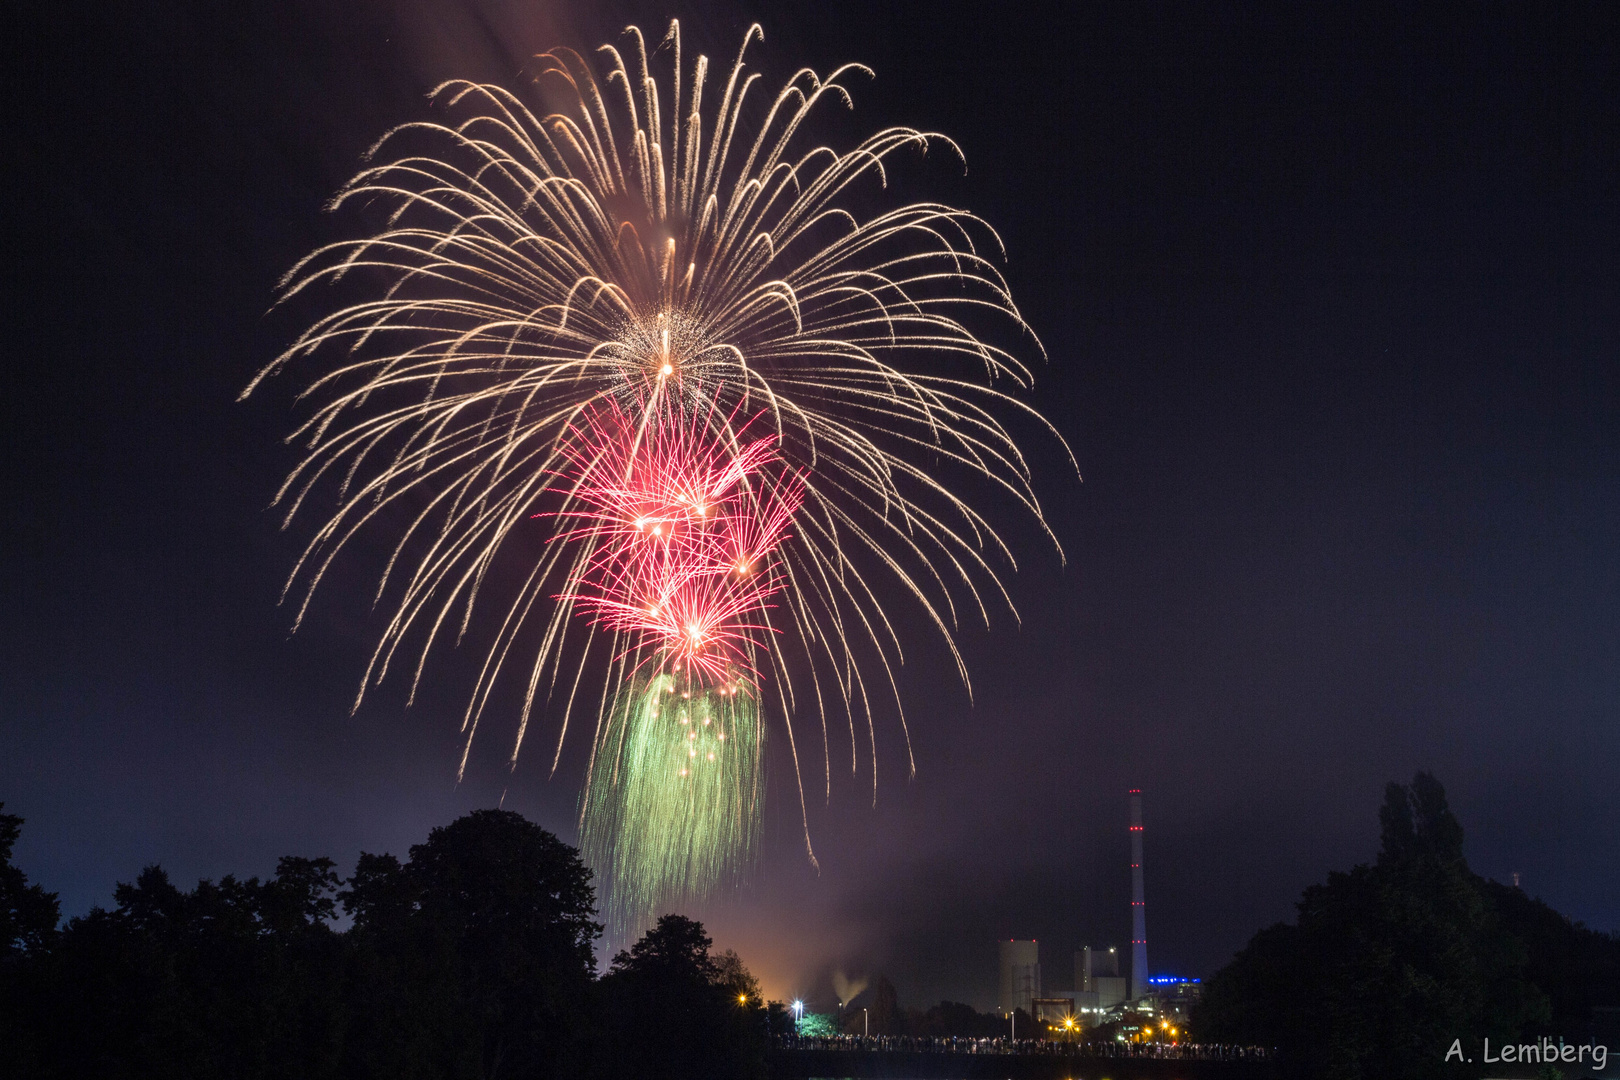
(1097, 981)
(1054, 1009)
(1020, 975)
(1090, 964)
(1099, 984)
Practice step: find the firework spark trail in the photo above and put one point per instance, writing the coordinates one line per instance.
(673, 800)
(681, 527)
(636, 250)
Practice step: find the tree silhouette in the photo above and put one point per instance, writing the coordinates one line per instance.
(670, 1009)
(28, 918)
(473, 958)
(1386, 965)
(234, 978)
(28, 914)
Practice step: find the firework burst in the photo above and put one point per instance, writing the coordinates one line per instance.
(680, 529)
(671, 334)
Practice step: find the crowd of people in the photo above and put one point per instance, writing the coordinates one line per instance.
(922, 1044)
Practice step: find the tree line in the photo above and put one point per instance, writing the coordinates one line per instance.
(1390, 963)
(473, 958)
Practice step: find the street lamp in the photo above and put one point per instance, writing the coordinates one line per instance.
(866, 1027)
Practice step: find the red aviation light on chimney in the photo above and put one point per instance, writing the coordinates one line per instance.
(1139, 973)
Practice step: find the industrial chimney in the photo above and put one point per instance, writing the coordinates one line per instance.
(1139, 972)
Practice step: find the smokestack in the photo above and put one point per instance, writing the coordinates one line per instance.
(1139, 973)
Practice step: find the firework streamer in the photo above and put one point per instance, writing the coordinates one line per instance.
(682, 531)
(672, 805)
(572, 318)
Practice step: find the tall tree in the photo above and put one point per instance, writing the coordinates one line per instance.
(28, 918)
(1386, 965)
(473, 958)
(670, 1009)
(28, 914)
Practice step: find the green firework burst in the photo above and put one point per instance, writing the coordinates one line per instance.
(671, 807)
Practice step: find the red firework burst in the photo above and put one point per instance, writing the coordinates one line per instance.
(680, 513)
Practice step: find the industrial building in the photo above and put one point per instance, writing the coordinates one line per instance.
(1020, 975)
(1099, 985)
(1173, 998)
(1054, 1009)
(1097, 981)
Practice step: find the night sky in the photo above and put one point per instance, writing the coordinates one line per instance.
(1332, 302)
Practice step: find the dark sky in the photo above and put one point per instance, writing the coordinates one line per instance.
(1331, 301)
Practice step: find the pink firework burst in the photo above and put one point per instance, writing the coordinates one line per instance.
(680, 513)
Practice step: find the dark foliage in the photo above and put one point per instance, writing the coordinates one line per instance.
(1576, 967)
(670, 1009)
(1388, 963)
(779, 1018)
(471, 959)
(952, 1019)
(28, 914)
(235, 978)
(28, 918)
